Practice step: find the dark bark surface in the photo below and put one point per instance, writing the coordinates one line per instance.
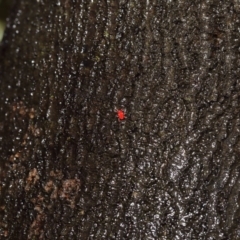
(69, 169)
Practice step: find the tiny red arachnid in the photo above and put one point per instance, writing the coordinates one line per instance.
(120, 114)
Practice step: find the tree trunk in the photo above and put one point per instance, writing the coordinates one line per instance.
(70, 168)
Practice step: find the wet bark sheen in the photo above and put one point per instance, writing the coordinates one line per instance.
(70, 169)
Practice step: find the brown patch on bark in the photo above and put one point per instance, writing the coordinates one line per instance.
(69, 190)
(33, 177)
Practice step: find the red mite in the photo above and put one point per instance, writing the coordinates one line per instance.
(121, 114)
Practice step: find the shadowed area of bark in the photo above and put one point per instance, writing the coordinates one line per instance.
(70, 169)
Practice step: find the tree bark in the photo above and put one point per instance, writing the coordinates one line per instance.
(71, 169)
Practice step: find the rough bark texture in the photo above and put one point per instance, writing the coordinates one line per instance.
(71, 170)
